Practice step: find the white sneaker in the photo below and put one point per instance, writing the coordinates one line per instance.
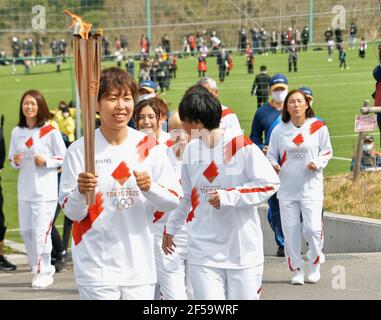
(313, 275)
(298, 277)
(42, 281)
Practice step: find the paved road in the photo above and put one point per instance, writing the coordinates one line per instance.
(344, 276)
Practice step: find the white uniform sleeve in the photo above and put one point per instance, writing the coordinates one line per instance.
(59, 150)
(325, 149)
(71, 200)
(234, 124)
(165, 190)
(13, 150)
(273, 152)
(176, 218)
(263, 182)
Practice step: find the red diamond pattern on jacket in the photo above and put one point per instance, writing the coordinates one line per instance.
(29, 143)
(211, 172)
(298, 140)
(121, 173)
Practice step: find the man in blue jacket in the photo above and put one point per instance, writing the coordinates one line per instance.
(265, 120)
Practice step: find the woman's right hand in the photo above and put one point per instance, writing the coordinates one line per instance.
(87, 182)
(17, 159)
(168, 245)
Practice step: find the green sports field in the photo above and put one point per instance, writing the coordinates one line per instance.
(338, 96)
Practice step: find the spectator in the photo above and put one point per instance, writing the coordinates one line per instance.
(130, 66)
(265, 120)
(166, 44)
(15, 47)
(370, 159)
(377, 94)
(242, 41)
(352, 35)
(339, 37)
(67, 125)
(216, 43)
(123, 42)
(62, 49)
(261, 86)
(256, 38)
(39, 48)
(305, 38)
(342, 59)
(222, 62)
(5, 265)
(54, 47)
(301, 144)
(173, 66)
(37, 150)
(274, 41)
(230, 62)
(250, 62)
(144, 73)
(263, 41)
(362, 48)
(292, 57)
(201, 67)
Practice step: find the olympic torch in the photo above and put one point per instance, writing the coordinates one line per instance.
(87, 52)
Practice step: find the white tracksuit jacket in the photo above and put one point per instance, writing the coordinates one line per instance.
(113, 239)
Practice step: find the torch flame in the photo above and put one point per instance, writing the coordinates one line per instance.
(84, 27)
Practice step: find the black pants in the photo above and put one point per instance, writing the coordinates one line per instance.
(292, 62)
(56, 238)
(261, 100)
(3, 228)
(222, 72)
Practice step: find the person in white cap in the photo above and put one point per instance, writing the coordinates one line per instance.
(266, 118)
(301, 144)
(229, 120)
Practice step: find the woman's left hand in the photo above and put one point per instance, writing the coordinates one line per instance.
(311, 166)
(39, 161)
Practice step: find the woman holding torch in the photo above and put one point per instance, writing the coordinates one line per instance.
(112, 249)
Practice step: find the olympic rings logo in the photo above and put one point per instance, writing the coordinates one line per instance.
(298, 156)
(123, 203)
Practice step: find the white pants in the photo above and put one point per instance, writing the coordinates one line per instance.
(144, 292)
(35, 220)
(312, 230)
(226, 284)
(173, 282)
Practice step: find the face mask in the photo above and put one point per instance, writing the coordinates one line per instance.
(367, 147)
(279, 96)
(65, 114)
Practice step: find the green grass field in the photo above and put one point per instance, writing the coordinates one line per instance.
(338, 96)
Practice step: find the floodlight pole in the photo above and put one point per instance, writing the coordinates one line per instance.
(148, 17)
(310, 20)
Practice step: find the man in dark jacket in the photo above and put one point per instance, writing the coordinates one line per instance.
(4, 263)
(261, 86)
